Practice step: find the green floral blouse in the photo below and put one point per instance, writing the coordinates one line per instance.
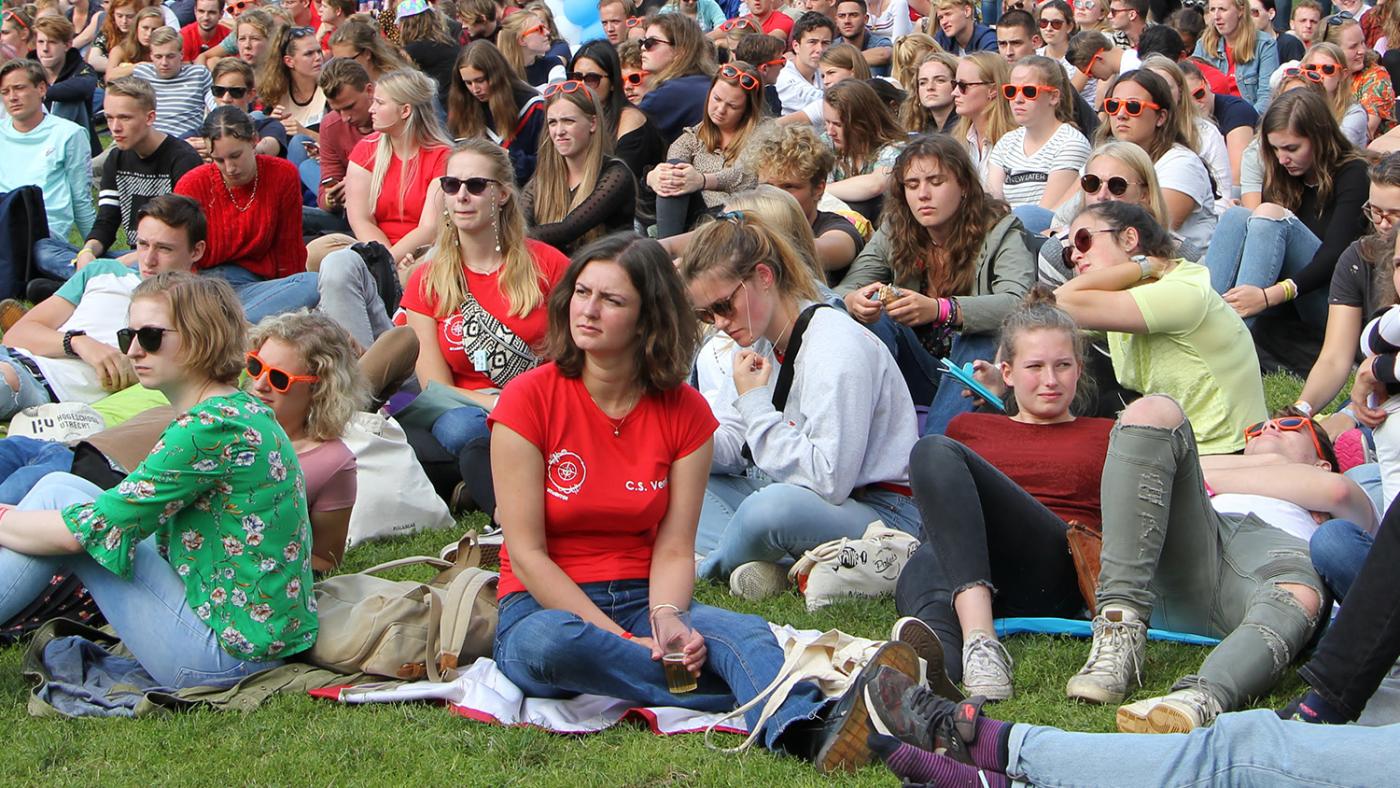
(224, 495)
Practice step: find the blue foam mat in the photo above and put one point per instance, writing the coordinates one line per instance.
(1081, 629)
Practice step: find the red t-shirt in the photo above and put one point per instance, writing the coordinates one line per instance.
(777, 21)
(1060, 465)
(604, 494)
(398, 216)
(192, 44)
(454, 335)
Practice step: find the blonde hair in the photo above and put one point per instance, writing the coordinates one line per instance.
(326, 349)
(1242, 41)
(520, 279)
(910, 52)
(913, 116)
(422, 127)
(552, 201)
(508, 39)
(263, 21)
(1136, 159)
(1342, 100)
(991, 67)
(1167, 69)
(848, 57)
(165, 35)
(206, 314)
(782, 212)
(735, 246)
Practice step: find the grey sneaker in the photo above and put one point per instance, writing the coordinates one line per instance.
(1120, 642)
(986, 667)
(1185, 709)
(758, 580)
(926, 644)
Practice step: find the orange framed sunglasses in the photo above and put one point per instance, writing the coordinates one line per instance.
(1287, 424)
(1133, 107)
(1031, 92)
(746, 80)
(567, 86)
(280, 380)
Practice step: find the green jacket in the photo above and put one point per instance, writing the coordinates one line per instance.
(1005, 273)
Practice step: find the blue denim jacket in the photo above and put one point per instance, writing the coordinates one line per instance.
(1252, 77)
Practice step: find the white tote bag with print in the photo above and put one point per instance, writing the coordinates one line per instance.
(868, 566)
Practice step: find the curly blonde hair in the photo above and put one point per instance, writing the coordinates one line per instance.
(326, 349)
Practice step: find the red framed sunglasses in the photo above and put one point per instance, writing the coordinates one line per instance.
(745, 80)
(567, 86)
(1287, 424)
(280, 380)
(729, 24)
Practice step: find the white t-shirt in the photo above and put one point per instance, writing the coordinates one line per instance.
(1182, 170)
(893, 22)
(100, 294)
(795, 92)
(1355, 126)
(1026, 174)
(1217, 155)
(1284, 515)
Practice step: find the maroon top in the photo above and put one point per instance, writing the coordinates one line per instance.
(338, 138)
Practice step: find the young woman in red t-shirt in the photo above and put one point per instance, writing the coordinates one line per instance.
(391, 198)
(477, 309)
(601, 458)
(995, 494)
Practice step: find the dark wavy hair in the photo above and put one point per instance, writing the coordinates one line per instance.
(910, 243)
(1153, 239)
(667, 333)
(1305, 113)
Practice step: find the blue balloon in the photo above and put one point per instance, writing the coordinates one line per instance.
(583, 13)
(593, 32)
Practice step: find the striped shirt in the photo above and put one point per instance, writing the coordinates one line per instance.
(180, 99)
(1026, 175)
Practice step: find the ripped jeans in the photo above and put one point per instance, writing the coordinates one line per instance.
(1167, 553)
(29, 391)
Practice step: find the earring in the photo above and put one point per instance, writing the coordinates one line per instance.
(496, 225)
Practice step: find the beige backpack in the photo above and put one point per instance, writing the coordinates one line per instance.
(405, 629)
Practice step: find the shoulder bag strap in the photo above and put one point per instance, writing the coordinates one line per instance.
(783, 387)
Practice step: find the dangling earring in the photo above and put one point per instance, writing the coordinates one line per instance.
(496, 224)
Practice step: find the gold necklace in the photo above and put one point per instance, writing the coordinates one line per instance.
(251, 197)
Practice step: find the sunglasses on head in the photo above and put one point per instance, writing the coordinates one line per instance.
(1327, 69)
(634, 21)
(475, 186)
(1340, 18)
(651, 42)
(591, 80)
(1083, 241)
(1031, 92)
(1133, 107)
(722, 308)
(279, 379)
(732, 73)
(220, 91)
(1052, 24)
(1293, 72)
(636, 77)
(729, 24)
(13, 17)
(1287, 424)
(149, 337)
(1091, 184)
(567, 86)
(777, 61)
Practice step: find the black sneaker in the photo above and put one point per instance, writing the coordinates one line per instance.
(843, 742)
(925, 641)
(899, 707)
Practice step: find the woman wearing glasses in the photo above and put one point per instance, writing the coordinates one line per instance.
(833, 453)
(478, 310)
(488, 100)
(524, 41)
(708, 161)
(930, 105)
(1315, 185)
(1370, 82)
(224, 589)
(579, 192)
(984, 117)
(1231, 44)
(636, 139)
(1168, 331)
(1034, 166)
(1057, 26)
(678, 60)
(1140, 110)
(1325, 64)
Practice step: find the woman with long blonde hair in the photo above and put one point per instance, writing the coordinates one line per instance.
(909, 52)
(524, 41)
(579, 191)
(1233, 45)
(477, 308)
(1325, 64)
(984, 117)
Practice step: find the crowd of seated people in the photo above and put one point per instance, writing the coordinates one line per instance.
(722, 255)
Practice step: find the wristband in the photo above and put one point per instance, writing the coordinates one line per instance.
(1265, 293)
(655, 608)
(1290, 289)
(944, 311)
(627, 635)
(1304, 408)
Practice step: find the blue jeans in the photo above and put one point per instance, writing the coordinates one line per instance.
(555, 654)
(460, 426)
(55, 258)
(1258, 252)
(316, 223)
(923, 373)
(1338, 549)
(148, 610)
(744, 519)
(1247, 748)
(1035, 218)
(28, 393)
(24, 461)
(263, 297)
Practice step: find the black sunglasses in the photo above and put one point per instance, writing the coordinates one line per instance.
(450, 185)
(650, 42)
(721, 308)
(150, 337)
(591, 80)
(220, 91)
(296, 34)
(1092, 183)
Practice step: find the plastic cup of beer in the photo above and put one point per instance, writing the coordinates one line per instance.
(671, 630)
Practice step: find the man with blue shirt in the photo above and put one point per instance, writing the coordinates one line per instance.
(39, 149)
(852, 19)
(958, 30)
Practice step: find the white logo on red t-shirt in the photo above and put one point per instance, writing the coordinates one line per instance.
(565, 474)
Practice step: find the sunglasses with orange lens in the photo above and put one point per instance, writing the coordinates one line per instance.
(1133, 107)
(1031, 92)
(746, 80)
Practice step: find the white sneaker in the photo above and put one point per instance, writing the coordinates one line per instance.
(986, 667)
(1183, 710)
(758, 580)
(1115, 659)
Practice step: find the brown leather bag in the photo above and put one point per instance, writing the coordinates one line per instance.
(1085, 544)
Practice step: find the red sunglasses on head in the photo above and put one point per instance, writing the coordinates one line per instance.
(732, 73)
(567, 86)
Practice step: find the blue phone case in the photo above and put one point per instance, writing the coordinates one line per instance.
(964, 376)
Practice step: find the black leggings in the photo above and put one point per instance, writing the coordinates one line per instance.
(981, 528)
(1363, 641)
(471, 465)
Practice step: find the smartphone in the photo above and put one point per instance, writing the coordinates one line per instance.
(312, 149)
(328, 181)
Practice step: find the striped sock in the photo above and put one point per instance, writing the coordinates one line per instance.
(921, 766)
(991, 750)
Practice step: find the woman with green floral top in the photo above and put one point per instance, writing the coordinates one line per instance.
(201, 558)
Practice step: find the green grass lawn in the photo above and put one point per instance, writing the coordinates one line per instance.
(298, 740)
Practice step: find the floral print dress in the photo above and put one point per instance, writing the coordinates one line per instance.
(224, 496)
(1376, 95)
